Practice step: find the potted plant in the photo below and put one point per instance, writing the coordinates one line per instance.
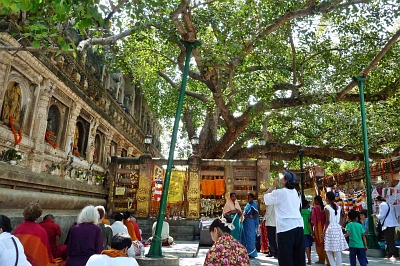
(99, 180)
(53, 167)
(13, 156)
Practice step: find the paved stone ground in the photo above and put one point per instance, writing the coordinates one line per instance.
(263, 260)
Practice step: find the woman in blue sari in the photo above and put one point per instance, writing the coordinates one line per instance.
(233, 210)
(250, 226)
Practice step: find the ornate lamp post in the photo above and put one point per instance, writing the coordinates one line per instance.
(195, 141)
(147, 141)
(262, 142)
(155, 248)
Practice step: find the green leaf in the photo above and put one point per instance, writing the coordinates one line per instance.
(26, 5)
(35, 44)
(66, 47)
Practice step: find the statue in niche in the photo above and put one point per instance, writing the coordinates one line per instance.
(12, 103)
(76, 136)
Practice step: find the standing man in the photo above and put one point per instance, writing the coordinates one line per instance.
(54, 233)
(270, 222)
(106, 230)
(289, 223)
(389, 223)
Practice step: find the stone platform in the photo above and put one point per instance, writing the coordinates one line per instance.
(181, 249)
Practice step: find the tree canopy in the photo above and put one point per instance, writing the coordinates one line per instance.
(280, 70)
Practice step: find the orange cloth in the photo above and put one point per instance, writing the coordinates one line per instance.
(113, 253)
(36, 243)
(105, 221)
(131, 230)
(208, 187)
(219, 187)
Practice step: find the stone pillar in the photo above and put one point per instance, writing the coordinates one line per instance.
(143, 194)
(230, 178)
(109, 137)
(39, 127)
(130, 152)
(263, 178)
(94, 124)
(73, 115)
(193, 192)
(120, 147)
(111, 187)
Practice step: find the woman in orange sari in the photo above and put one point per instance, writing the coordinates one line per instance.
(318, 221)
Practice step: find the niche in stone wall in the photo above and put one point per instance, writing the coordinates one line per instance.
(81, 137)
(16, 103)
(98, 156)
(56, 124)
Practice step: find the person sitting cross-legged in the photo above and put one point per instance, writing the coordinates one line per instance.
(117, 255)
(166, 240)
(54, 233)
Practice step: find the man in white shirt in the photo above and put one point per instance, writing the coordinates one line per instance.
(270, 223)
(289, 222)
(389, 223)
(118, 226)
(117, 255)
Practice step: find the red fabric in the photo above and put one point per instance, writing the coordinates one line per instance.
(318, 220)
(264, 238)
(36, 243)
(53, 230)
(137, 232)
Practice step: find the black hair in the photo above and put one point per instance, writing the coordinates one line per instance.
(331, 197)
(318, 199)
(101, 212)
(5, 224)
(48, 216)
(304, 203)
(121, 241)
(352, 214)
(127, 215)
(118, 216)
(217, 223)
(232, 193)
(365, 212)
(251, 195)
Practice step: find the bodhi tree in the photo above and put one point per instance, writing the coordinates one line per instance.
(280, 70)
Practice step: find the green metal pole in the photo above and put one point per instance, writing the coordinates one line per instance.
(155, 248)
(302, 174)
(372, 240)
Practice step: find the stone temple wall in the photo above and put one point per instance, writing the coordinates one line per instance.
(66, 113)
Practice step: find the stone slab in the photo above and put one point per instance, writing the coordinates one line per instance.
(167, 260)
(181, 249)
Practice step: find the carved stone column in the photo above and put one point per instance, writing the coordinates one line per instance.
(73, 115)
(92, 135)
(193, 192)
(119, 148)
(263, 178)
(143, 193)
(130, 151)
(39, 127)
(109, 137)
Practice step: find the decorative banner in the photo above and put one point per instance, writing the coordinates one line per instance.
(119, 191)
(177, 183)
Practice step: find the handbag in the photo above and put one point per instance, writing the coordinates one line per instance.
(379, 231)
(16, 249)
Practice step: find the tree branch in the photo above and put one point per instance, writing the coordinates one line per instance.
(371, 65)
(199, 96)
(110, 40)
(290, 15)
(34, 49)
(114, 9)
(279, 151)
(293, 55)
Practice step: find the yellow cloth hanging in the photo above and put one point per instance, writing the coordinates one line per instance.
(176, 186)
(219, 187)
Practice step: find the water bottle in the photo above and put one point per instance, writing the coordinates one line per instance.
(142, 252)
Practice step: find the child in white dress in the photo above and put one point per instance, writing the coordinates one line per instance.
(334, 239)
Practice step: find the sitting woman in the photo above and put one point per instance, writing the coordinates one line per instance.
(166, 239)
(226, 250)
(85, 238)
(232, 209)
(11, 249)
(33, 237)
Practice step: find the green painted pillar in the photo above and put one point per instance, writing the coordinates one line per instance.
(372, 240)
(155, 248)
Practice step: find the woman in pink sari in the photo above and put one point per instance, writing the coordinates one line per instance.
(318, 221)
